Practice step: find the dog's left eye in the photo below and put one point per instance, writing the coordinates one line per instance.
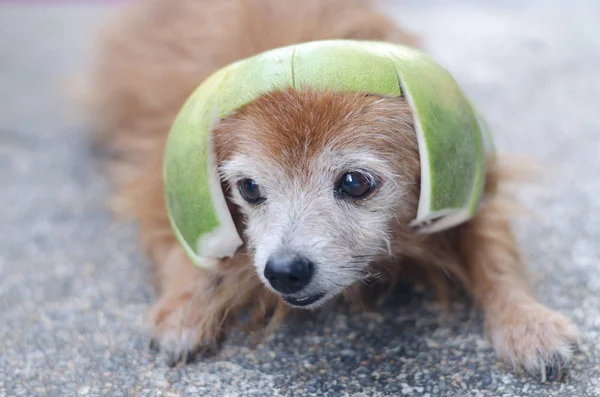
(356, 184)
(251, 191)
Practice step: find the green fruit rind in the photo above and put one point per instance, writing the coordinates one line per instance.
(451, 133)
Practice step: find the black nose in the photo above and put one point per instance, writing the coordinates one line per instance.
(289, 274)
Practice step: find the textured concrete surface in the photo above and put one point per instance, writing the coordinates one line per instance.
(73, 286)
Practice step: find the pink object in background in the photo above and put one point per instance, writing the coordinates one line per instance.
(22, 2)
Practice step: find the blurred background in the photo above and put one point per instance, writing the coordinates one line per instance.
(74, 287)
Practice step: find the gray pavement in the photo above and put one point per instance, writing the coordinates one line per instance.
(73, 286)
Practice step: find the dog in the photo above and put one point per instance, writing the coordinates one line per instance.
(341, 223)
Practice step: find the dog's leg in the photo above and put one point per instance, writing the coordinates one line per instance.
(522, 331)
(196, 305)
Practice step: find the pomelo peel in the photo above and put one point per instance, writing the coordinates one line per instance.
(452, 135)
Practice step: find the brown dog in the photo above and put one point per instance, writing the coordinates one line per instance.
(361, 146)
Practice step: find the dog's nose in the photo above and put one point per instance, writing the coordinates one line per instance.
(289, 274)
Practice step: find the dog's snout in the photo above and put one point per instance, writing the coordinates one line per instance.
(289, 274)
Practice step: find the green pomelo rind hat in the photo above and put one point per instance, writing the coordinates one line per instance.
(451, 133)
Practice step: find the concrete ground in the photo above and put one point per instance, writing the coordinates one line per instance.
(73, 286)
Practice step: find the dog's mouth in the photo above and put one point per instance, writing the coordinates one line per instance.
(303, 301)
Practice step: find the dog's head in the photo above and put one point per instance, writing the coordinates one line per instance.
(320, 178)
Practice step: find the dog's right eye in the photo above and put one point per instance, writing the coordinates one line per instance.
(251, 191)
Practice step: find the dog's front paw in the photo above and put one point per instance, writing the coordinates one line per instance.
(183, 328)
(529, 335)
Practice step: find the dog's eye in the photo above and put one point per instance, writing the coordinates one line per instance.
(356, 184)
(251, 191)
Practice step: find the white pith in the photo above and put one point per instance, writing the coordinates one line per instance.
(223, 241)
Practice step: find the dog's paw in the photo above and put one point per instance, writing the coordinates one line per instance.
(182, 329)
(531, 336)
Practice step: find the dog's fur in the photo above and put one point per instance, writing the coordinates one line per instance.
(158, 51)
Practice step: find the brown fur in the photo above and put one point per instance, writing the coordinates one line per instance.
(158, 51)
